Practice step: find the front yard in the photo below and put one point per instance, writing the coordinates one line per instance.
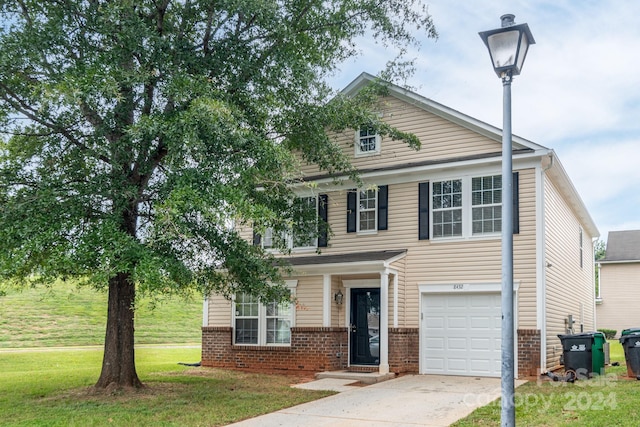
(608, 400)
(52, 388)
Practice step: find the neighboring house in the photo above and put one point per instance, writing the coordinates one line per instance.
(410, 279)
(619, 296)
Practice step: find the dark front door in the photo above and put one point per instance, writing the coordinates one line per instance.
(365, 326)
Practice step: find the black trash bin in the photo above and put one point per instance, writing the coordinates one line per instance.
(631, 344)
(629, 331)
(577, 352)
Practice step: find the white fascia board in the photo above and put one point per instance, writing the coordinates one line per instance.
(626, 261)
(418, 173)
(340, 268)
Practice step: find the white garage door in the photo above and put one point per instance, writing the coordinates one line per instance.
(460, 334)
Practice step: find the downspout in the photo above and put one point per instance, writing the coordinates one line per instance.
(599, 283)
(542, 266)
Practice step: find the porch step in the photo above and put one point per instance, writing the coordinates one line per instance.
(363, 377)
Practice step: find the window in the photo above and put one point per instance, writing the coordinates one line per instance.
(486, 198)
(262, 324)
(465, 207)
(447, 208)
(367, 208)
(367, 141)
(303, 236)
(581, 250)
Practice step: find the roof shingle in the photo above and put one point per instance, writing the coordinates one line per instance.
(623, 246)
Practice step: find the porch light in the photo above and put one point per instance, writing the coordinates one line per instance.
(338, 297)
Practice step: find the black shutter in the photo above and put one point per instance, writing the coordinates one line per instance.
(323, 214)
(257, 238)
(516, 203)
(352, 200)
(423, 211)
(383, 207)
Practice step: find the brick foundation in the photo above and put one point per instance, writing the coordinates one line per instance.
(528, 352)
(326, 349)
(311, 350)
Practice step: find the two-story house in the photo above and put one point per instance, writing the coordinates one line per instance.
(409, 280)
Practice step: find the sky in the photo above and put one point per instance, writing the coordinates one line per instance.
(578, 93)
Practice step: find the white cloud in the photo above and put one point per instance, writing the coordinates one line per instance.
(579, 92)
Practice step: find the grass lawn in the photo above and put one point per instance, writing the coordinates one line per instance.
(67, 315)
(609, 400)
(52, 388)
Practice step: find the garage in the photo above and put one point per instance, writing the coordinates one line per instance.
(460, 334)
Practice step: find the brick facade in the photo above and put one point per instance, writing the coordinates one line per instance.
(311, 350)
(326, 349)
(528, 352)
(404, 350)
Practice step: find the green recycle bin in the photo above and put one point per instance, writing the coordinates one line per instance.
(631, 344)
(583, 353)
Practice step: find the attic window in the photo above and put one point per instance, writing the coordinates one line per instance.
(367, 141)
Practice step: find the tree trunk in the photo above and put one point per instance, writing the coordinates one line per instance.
(118, 363)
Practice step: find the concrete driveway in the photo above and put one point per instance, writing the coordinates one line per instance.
(411, 400)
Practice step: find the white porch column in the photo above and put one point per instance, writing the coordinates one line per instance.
(384, 323)
(327, 299)
(205, 312)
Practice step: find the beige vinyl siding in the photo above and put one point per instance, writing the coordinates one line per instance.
(567, 284)
(440, 138)
(463, 261)
(476, 260)
(524, 252)
(219, 311)
(400, 266)
(619, 290)
(309, 301)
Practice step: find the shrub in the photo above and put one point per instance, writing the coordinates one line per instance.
(608, 333)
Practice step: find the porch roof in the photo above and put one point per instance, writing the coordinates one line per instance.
(353, 262)
(349, 257)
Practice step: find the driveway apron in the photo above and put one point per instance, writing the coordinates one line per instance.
(411, 400)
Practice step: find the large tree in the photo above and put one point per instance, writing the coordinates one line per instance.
(135, 131)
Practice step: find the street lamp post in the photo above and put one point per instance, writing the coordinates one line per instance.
(508, 47)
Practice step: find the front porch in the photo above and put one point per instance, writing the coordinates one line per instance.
(348, 310)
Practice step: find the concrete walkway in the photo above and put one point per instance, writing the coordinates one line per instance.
(412, 400)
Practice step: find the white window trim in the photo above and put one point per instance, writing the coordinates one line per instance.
(375, 212)
(262, 320)
(288, 237)
(467, 210)
(360, 153)
(314, 246)
(484, 205)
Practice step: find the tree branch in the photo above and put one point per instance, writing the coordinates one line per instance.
(32, 114)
